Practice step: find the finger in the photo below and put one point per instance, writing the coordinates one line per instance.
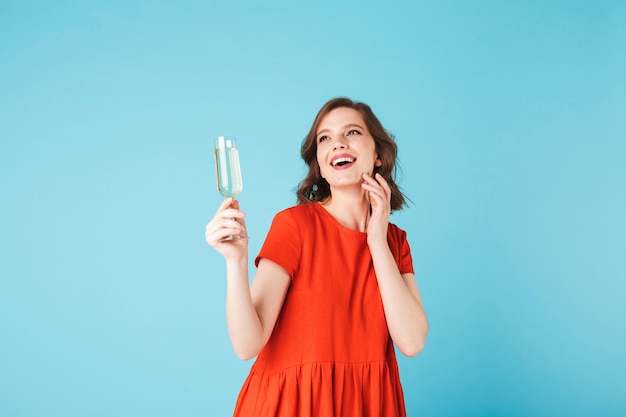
(220, 239)
(229, 208)
(376, 200)
(369, 179)
(379, 182)
(222, 223)
(232, 212)
(214, 237)
(379, 200)
(370, 184)
(374, 189)
(226, 210)
(225, 204)
(383, 182)
(380, 179)
(230, 223)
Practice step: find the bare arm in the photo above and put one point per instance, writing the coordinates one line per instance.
(402, 303)
(406, 319)
(251, 311)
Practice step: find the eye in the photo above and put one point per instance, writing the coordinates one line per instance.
(322, 139)
(353, 132)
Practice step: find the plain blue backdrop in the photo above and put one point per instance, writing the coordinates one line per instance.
(509, 116)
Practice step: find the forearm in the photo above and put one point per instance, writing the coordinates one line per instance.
(244, 326)
(404, 312)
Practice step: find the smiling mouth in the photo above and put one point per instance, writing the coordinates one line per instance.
(339, 162)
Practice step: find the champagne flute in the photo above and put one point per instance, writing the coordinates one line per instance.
(228, 171)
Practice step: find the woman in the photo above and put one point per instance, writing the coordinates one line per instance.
(334, 288)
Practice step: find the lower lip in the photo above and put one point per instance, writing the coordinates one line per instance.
(341, 167)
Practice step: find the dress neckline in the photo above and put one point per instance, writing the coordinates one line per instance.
(340, 226)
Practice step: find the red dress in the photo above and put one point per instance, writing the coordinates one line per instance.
(330, 353)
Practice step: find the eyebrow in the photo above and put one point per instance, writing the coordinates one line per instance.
(342, 128)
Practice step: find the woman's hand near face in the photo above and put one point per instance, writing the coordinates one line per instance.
(380, 201)
(228, 220)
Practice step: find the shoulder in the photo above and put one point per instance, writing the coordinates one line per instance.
(396, 235)
(395, 230)
(399, 245)
(294, 217)
(299, 212)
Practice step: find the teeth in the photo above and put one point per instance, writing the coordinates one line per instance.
(343, 159)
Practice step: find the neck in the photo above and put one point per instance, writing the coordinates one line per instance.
(351, 208)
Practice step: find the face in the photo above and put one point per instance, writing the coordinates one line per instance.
(345, 148)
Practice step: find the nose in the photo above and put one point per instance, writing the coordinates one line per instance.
(340, 143)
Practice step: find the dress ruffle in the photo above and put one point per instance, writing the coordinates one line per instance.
(327, 389)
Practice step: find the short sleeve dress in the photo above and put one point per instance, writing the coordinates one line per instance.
(330, 353)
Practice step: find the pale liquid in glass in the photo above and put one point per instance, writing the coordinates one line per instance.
(228, 172)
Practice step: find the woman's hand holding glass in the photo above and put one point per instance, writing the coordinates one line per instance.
(228, 221)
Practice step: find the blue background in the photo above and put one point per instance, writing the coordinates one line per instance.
(510, 122)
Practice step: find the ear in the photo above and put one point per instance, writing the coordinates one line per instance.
(378, 163)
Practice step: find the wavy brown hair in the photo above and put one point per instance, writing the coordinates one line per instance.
(315, 188)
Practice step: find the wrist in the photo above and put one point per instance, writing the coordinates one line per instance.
(239, 263)
(377, 243)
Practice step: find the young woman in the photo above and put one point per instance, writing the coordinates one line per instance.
(334, 288)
